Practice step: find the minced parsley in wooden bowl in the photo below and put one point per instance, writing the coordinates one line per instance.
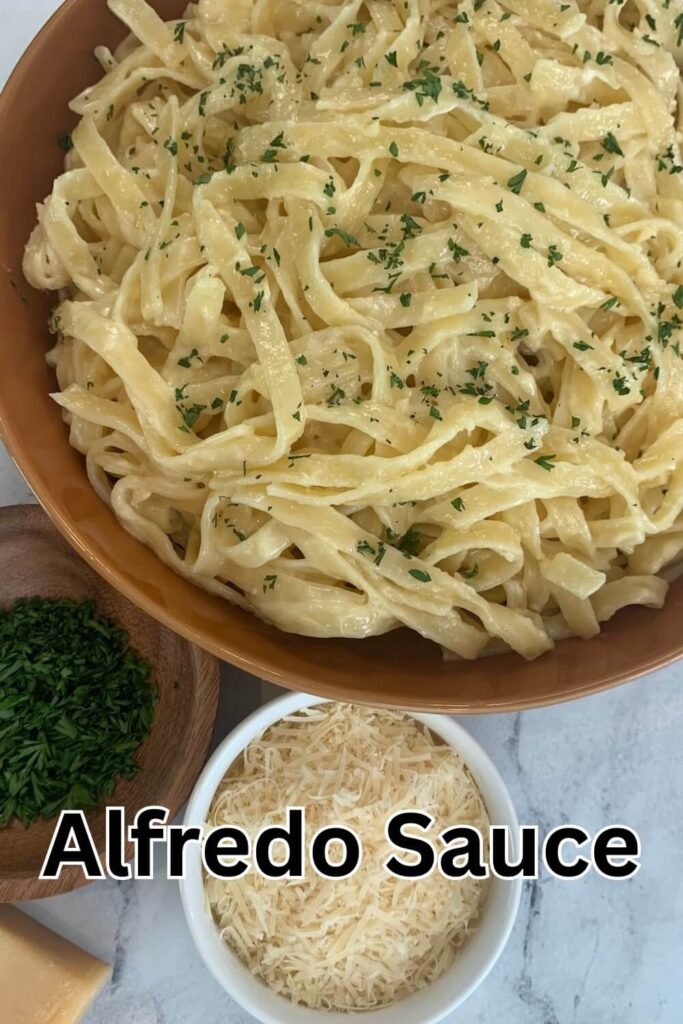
(109, 706)
(76, 703)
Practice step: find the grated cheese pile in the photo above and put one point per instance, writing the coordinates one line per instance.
(370, 940)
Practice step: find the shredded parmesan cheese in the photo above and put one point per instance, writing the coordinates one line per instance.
(366, 941)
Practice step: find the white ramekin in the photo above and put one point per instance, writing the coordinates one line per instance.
(428, 1006)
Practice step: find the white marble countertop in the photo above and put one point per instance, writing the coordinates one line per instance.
(586, 952)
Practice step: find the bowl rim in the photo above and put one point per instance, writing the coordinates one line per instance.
(267, 663)
(245, 988)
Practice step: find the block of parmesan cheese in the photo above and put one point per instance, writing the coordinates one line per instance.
(44, 978)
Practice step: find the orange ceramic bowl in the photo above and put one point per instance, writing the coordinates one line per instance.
(398, 670)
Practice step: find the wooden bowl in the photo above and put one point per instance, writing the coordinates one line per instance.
(36, 562)
(399, 670)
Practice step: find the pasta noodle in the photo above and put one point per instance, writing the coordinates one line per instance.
(371, 311)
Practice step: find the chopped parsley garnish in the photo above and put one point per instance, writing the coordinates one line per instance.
(190, 414)
(427, 87)
(457, 250)
(364, 548)
(464, 93)
(519, 333)
(271, 155)
(410, 543)
(346, 238)
(186, 362)
(554, 255)
(516, 182)
(76, 703)
(411, 229)
(546, 462)
(610, 144)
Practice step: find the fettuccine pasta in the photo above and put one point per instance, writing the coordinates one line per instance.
(371, 311)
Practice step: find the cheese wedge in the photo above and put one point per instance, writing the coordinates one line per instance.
(44, 978)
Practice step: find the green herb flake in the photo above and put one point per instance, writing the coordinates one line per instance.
(516, 182)
(546, 462)
(610, 144)
(554, 255)
(427, 87)
(346, 238)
